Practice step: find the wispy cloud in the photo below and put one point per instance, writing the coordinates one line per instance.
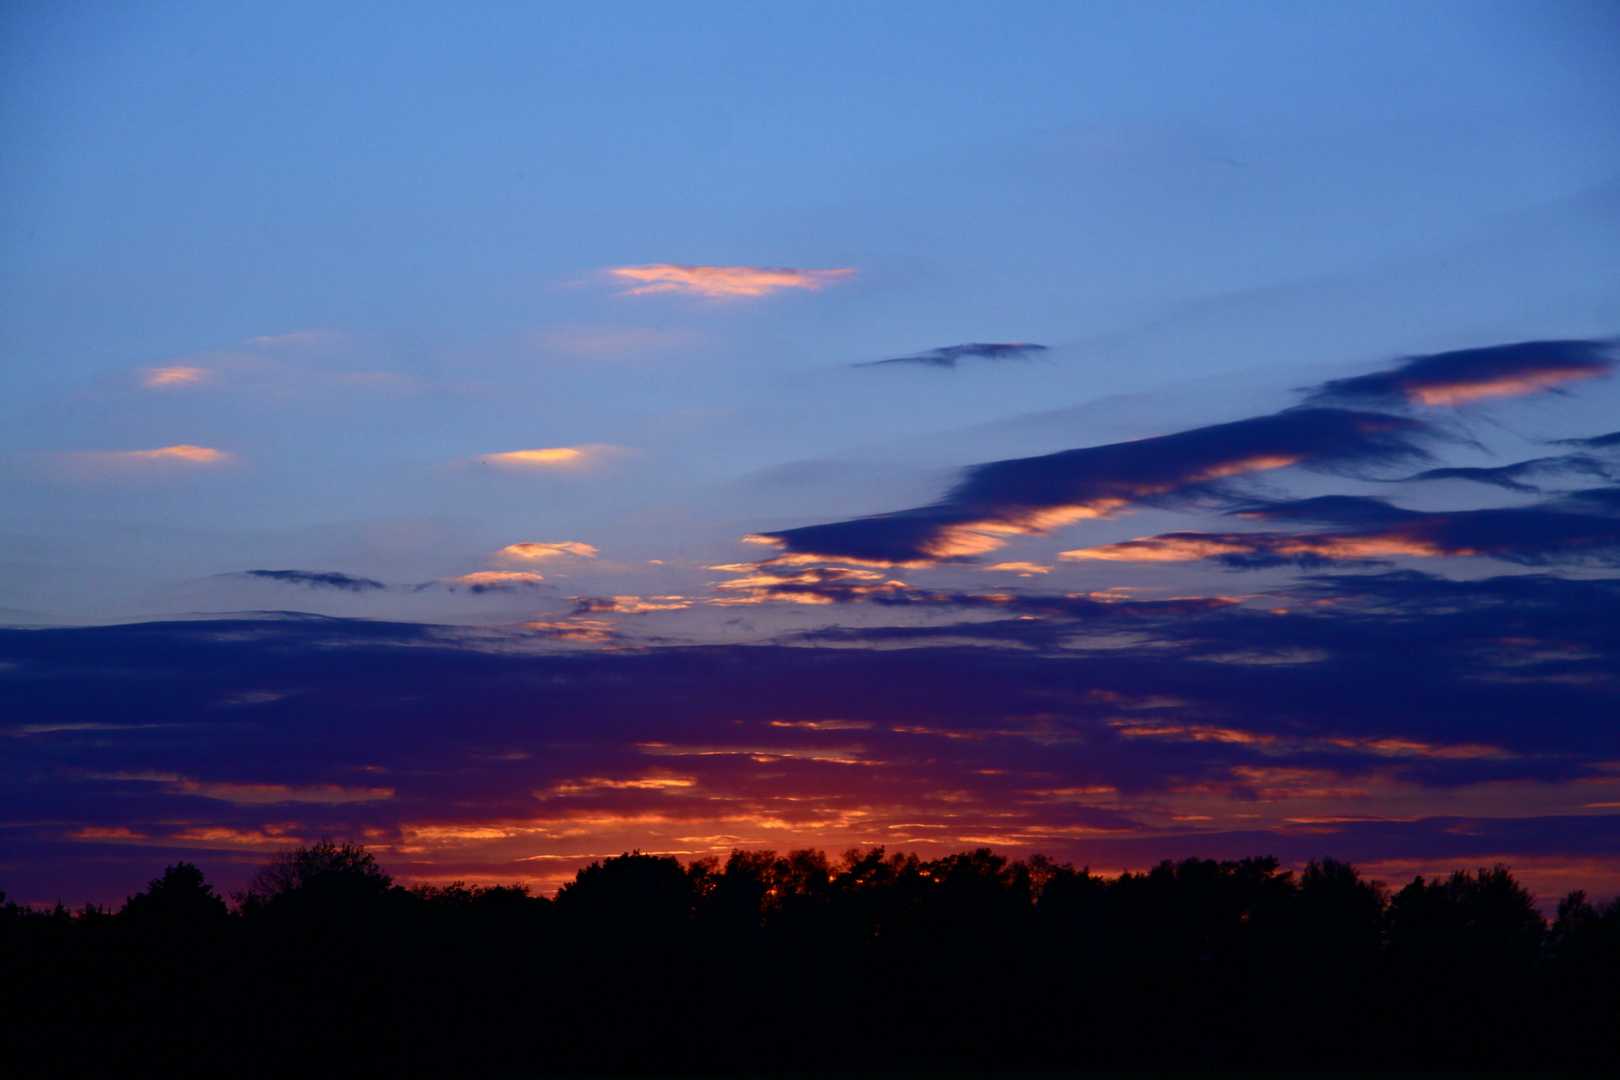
(180, 375)
(309, 579)
(1534, 535)
(194, 455)
(1455, 378)
(628, 605)
(1034, 495)
(724, 281)
(522, 459)
(533, 552)
(492, 581)
(129, 464)
(948, 356)
(546, 459)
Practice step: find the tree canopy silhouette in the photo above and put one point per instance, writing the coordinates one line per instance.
(870, 961)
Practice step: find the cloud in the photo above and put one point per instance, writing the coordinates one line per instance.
(1535, 536)
(1596, 442)
(1512, 477)
(1382, 713)
(271, 794)
(106, 463)
(1455, 378)
(491, 581)
(814, 585)
(724, 281)
(314, 580)
(546, 459)
(948, 356)
(628, 605)
(179, 375)
(532, 552)
(556, 455)
(1035, 495)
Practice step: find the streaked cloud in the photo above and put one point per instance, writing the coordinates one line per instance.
(114, 465)
(546, 459)
(1456, 378)
(272, 794)
(493, 581)
(180, 375)
(1032, 496)
(724, 281)
(310, 579)
(948, 356)
(1535, 535)
(183, 453)
(628, 605)
(533, 552)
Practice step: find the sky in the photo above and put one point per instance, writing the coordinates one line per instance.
(508, 435)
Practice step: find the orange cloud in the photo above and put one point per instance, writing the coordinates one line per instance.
(531, 552)
(496, 578)
(547, 459)
(724, 281)
(93, 463)
(174, 376)
(813, 586)
(632, 605)
(1459, 392)
(556, 455)
(1185, 547)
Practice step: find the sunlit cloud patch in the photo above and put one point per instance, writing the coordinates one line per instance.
(548, 459)
(525, 459)
(1032, 496)
(724, 282)
(530, 551)
(1457, 378)
(179, 375)
(182, 453)
(178, 460)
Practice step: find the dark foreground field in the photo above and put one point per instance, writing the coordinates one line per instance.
(873, 965)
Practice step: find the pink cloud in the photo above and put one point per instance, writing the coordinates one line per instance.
(724, 281)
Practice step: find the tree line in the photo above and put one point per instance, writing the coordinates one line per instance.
(782, 963)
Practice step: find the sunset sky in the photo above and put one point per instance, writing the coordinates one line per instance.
(509, 435)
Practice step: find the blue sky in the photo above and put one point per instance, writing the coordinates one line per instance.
(286, 288)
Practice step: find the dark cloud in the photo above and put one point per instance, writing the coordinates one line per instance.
(1596, 442)
(1514, 477)
(1530, 535)
(1451, 378)
(1032, 495)
(948, 356)
(235, 736)
(489, 581)
(314, 580)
